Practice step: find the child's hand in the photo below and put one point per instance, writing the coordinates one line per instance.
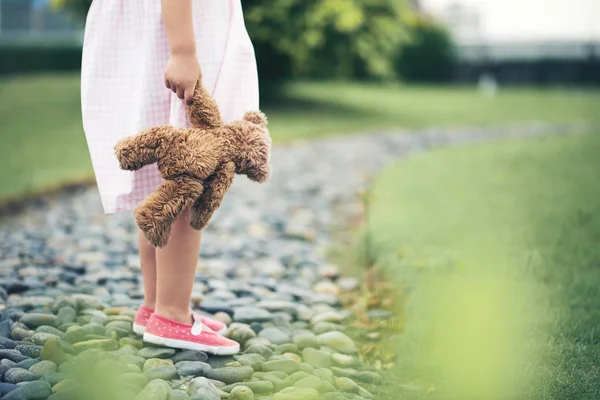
(181, 75)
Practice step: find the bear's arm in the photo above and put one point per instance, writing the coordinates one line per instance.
(136, 151)
(211, 198)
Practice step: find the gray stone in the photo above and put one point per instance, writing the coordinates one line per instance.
(316, 358)
(230, 374)
(178, 394)
(190, 355)
(259, 349)
(262, 387)
(100, 344)
(43, 367)
(12, 355)
(27, 363)
(40, 338)
(306, 339)
(343, 360)
(203, 389)
(156, 352)
(241, 393)
(192, 368)
(294, 393)
(288, 366)
(16, 375)
(66, 315)
(254, 360)
(30, 391)
(345, 385)
(338, 341)
(155, 390)
(275, 335)
(241, 334)
(29, 350)
(251, 314)
(33, 320)
(162, 372)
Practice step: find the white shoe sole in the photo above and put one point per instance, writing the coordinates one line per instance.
(182, 344)
(141, 329)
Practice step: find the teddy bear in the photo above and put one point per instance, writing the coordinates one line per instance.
(198, 164)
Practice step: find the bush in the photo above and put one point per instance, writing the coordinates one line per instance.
(28, 57)
(430, 57)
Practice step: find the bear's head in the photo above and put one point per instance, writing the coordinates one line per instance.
(254, 146)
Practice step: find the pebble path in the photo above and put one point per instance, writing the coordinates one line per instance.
(70, 283)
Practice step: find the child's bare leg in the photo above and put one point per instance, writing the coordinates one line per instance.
(176, 266)
(148, 263)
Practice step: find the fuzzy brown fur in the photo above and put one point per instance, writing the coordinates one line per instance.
(198, 164)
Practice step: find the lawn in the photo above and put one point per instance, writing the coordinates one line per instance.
(43, 143)
(497, 248)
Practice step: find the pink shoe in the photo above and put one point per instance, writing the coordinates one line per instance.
(166, 332)
(144, 313)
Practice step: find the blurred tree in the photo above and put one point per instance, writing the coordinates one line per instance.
(326, 38)
(430, 56)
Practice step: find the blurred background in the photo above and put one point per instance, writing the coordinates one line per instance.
(495, 246)
(352, 65)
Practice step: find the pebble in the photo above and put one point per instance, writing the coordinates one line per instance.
(34, 320)
(306, 339)
(274, 335)
(192, 368)
(43, 367)
(28, 363)
(16, 375)
(30, 391)
(163, 372)
(294, 393)
(338, 341)
(156, 352)
(29, 350)
(260, 349)
(251, 314)
(230, 374)
(100, 344)
(12, 355)
(241, 393)
(5, 328)
(316, 358)
(288, 366)
(155, 390)
(155, 362)
(262, 387)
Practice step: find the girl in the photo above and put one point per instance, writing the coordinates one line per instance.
(141, 62)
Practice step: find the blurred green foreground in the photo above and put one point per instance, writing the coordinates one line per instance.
(497, 245)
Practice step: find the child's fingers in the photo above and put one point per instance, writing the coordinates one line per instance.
(181, 93)
(167, 83)
(189, 94)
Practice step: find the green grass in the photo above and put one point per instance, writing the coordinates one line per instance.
(43, 143)
(498, 248)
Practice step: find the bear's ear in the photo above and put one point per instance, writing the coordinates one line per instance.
(256, 117)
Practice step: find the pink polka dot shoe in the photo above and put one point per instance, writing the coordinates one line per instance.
(166, 332)
(144, 313)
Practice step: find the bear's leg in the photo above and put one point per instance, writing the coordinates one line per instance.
(212, 196)
(156, 214)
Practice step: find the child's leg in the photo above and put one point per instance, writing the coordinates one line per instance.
(175, 269)
(148, 263)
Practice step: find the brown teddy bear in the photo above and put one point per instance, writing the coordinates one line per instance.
(198, 164)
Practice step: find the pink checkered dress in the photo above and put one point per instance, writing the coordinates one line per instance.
(125, 53)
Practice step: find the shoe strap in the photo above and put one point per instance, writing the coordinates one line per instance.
(198, 326)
